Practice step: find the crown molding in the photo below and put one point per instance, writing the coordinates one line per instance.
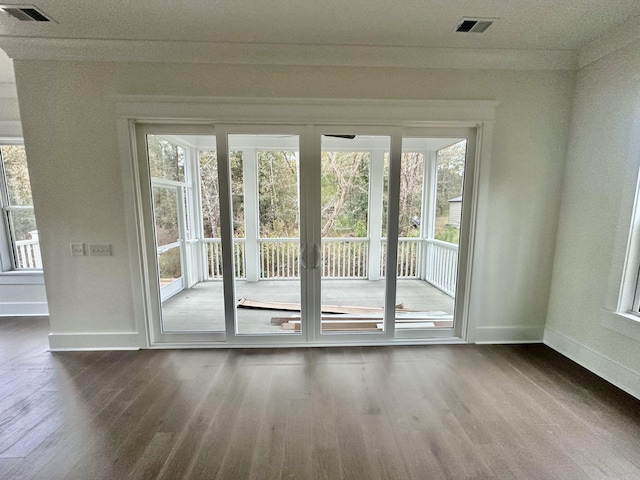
(326, 111)
(613, 40)
(30, 48)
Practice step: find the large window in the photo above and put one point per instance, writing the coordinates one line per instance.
(22, 249)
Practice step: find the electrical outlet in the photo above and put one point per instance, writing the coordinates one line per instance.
(100, 249)
(77, 249)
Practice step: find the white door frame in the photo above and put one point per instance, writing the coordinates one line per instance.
(197, 116)
(226, 220)
(150, 282)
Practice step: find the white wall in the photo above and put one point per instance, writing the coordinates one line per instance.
(70, 130)
(20, 293)
(598, 195)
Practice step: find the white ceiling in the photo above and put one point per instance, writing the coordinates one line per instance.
(522, 24)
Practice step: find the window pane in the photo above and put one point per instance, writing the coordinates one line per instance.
(265, 257)
(165, 211)
(450, 165)
(345, 194)
(17, 174)
(25, 236)
(166, 160)
(431, 179)
(211, 194)
(411, 189)
(278, 194)
(169, 265)
(352, 194)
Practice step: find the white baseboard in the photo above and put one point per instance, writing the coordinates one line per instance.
(24, 309)
(508, 334)
(613, 372)
(94, 341)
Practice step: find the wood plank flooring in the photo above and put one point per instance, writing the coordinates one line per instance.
(430, 412)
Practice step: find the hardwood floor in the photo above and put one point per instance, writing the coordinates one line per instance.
(431, 412)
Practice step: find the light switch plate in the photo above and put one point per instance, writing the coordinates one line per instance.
(100, 249)
(77, 249)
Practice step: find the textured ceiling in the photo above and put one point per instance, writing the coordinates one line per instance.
(522, 24)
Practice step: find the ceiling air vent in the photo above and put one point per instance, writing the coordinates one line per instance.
(26, 13)
(474, 25)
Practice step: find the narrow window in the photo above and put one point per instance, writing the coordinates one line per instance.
(17, 209)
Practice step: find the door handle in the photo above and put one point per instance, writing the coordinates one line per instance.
(317, 255)
(303, 255)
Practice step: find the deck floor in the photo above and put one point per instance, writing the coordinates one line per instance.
(201, 308)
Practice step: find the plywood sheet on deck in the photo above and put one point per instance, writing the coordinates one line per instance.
(295, 307)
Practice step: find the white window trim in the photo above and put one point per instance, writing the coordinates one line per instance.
(207, 111)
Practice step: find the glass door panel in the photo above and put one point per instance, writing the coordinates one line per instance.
(429, 222)
(168, 240)
(184, 183)
(355, 240)
(265, 191)
(351, 214)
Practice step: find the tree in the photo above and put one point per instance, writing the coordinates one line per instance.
(278, 194)
(16, 172)
(166, 159)
(450, 165)
(411, 180)
(450, 170)
(345, 194)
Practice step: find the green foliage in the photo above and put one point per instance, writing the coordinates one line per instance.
(169, 265)
(450, 165)
(16, 172)
(166, 160)
(210, 192)
(411, 179)
(449, 233)
(14, 161)
(345, 194)
(165, 211)
(278, 194)
(345, 187)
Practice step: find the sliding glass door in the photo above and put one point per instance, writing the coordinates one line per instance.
(265, 203)
(352, 208)
(305, 234)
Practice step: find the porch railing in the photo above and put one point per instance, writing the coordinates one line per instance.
(213, 251)
(441, 265)
(279, 258)
(431, 260)
(28, 254)
(345, 257)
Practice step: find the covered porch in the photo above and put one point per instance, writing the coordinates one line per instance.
(201, 307)
(264, 186)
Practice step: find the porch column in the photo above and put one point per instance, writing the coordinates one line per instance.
(250, 182)
(198, 263)
(376, 192)
(428, 215)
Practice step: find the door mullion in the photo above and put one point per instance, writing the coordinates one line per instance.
(310, 174)
(393, 206)
(226, 232)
